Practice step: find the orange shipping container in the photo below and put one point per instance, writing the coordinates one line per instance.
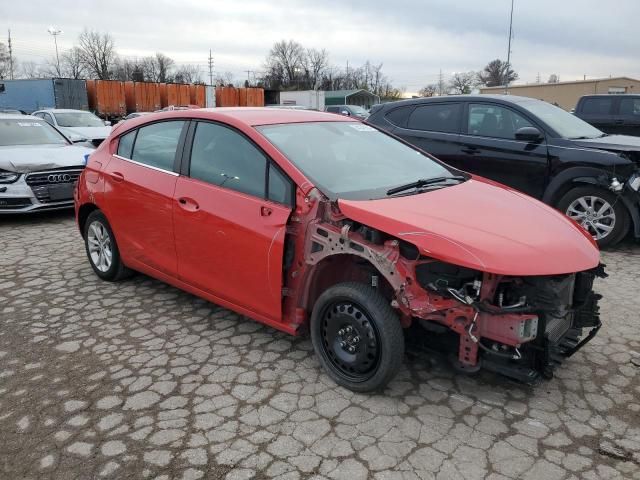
(197, 95)
(227, 97)
(174, 94)
(142, 96)
(106, 97)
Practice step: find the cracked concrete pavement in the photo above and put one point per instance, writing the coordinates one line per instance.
(141, 380)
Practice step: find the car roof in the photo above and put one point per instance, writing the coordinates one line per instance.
(62, 110)
(251, 116)
(507, 99)
(15, 116)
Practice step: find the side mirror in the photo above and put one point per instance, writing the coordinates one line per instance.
(345, 112)
(528, 134)
(107, 123)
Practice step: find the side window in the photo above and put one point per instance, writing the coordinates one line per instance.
(47, 118)
(280, 187)
(333, 109)
(125, 144)
(493, 121)
(399, 116)
(597, 105)
(223, 157)
(2, 87)
(630, 106)
(439, 117)
(156, 144)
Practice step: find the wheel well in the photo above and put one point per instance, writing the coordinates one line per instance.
(344, 268)
(83, 213)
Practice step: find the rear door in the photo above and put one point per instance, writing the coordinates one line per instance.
(230, 216)
(139, 184)
(628, 116)
(489, 148)
(599, 111)
(433, 127)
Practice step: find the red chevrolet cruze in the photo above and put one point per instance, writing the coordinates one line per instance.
(307, 221)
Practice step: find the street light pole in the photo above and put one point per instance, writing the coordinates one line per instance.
(55, 32)
(506, 81)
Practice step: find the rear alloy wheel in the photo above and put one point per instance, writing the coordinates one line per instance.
(102, 249)
(598, 211)
(357, 337)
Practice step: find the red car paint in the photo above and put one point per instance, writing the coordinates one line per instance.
(483, 225)
(229, 247)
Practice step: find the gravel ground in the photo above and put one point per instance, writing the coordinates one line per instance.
(140, 380)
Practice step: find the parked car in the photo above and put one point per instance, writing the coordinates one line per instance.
(348, 111)
(135, 115)
(12, 111)
(308, 221)
(532, 146)
(77, 123)
(613, 114)
(38, 165)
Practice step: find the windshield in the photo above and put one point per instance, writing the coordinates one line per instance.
(358, 110)
(29, 132)
(566, 124)
(350, 160)
(78, 119)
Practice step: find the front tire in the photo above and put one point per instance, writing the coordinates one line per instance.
(357, 337)
(598, 211)
(102, 249)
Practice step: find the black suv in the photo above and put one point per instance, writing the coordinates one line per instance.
(533, 147)
(615, 114)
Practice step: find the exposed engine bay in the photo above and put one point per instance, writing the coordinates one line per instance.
(519, 326)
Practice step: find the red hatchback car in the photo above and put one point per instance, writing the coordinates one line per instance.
(307, 221)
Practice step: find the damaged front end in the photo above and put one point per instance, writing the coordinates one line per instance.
(521, 327)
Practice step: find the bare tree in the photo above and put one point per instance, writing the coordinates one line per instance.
(71, 64)
(495, 74)
(223, 79)
(31, 69)
(5, 65)
(129, 69)
(188, 74)
(285, 62)
(553, 78)
(462, 82)
(429, 90)
(315, 63)
(98, 53)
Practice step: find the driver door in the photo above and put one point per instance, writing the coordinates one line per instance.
(230, 216)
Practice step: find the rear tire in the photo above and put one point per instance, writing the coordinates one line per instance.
(102, 249)
(583, 205)
(357, 337)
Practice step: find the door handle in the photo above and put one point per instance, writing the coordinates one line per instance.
(117, 176)
(188, 204)
(470, 150)
(265, 211)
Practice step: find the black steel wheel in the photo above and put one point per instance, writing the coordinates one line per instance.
(357, 337)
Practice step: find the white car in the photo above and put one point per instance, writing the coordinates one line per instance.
(39, 166)
(77, 124)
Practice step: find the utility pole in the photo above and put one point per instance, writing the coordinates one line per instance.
(248, 79)
(10, 57)
(55, 32)
(506, 81)
(538, 78)
(440, 84)
(210, 68)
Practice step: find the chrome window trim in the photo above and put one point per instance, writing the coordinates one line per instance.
(170, 172)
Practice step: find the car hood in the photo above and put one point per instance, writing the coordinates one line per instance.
(31, 158)
(482, 225)
(92, 133)
(617, 143)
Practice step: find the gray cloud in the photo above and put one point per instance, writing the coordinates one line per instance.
(414, 39)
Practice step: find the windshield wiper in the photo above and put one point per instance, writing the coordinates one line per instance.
(423, 182)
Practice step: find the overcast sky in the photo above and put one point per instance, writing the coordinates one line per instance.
(414, 39)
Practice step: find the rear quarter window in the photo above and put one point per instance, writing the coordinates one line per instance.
(399, 116)
(440, 117)
(597, 106)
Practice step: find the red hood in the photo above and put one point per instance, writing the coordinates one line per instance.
(482, 225)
